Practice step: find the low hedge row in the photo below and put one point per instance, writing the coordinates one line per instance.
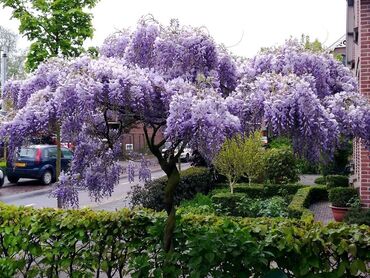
(298, 207)
(332, 181)
(303, 197)
(84, 243)
(268, 190)
(192, 181)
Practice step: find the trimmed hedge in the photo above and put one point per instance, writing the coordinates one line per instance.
(192, 181)
(333, 181)
(298, 208)
(85, 243)
(267, 191)
(320, 180)
(228, 200)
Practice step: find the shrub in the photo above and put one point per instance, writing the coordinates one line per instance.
(238, 204)
(341, 196)
(241, 156)
(201, 204)
(320, 180)
(306, 167)
(281, 166)
(85, 243)
(267, 190)
(333, 181)
(298, 207)
(192, 181)
(227, 203)
(273, 207)
(358, 216)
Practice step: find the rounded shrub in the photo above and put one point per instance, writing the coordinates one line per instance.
(281, 166)
(341, 196)
(333, 181)
(192, 181)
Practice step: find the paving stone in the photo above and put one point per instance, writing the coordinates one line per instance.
(322, 212)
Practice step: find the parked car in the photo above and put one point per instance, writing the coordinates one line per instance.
(186, 155)
(37, 162)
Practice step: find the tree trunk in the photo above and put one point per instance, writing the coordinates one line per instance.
(173, 176)
(58, 165)
(231, 184)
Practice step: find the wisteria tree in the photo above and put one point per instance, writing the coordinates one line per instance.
(176, 80)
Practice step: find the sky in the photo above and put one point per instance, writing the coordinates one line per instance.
(244, 26)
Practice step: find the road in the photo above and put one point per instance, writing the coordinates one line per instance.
(30, 193)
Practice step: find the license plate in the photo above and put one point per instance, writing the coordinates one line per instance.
(20, 164)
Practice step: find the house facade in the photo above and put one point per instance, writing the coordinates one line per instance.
(358, 60)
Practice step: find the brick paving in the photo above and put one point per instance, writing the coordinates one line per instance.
(322, 212)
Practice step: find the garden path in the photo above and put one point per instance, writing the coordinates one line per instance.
(322, 212)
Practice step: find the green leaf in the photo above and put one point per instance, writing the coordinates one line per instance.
(356, 266)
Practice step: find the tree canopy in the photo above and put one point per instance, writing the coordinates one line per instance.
(55, 27)
(177, 80)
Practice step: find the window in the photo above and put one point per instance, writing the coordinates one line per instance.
(67, 154)
(129, 147)
(52, 153)
(27, 153)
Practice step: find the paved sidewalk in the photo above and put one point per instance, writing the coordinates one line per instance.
(308, 179)
(322, 212)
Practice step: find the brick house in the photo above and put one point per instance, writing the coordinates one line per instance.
(358, 59)
(135, 139)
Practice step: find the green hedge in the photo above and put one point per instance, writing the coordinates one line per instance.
(320, 180)
(267, 191)
(227, 200)
(333, 181)
(298, 208)
(84, 243)
(192, 181)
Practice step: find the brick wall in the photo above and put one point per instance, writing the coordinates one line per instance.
(364, 86)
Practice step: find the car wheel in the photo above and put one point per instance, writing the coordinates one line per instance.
(13, 179)
(47, 177)
(2, 177)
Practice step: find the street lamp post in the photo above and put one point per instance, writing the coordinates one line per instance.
(3, 72)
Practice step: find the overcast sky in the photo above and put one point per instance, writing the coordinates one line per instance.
(243, 25)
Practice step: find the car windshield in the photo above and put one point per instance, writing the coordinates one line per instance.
(27, 153)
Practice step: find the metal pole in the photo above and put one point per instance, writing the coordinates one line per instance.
(3, 72)
(58, 162)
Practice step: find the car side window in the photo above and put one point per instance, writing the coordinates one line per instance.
(52, 153)
(67, 154)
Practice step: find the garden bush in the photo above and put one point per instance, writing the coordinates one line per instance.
(267, 190)
(192, 181)
(320, 180)
(239, 204)
(333, 181)
(298, 208)
(280, 166)
(341, 196)
(85, 243)
(358, 216)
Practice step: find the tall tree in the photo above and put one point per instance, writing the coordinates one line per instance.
(55, 27)
(16, 57)
(176, 80)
